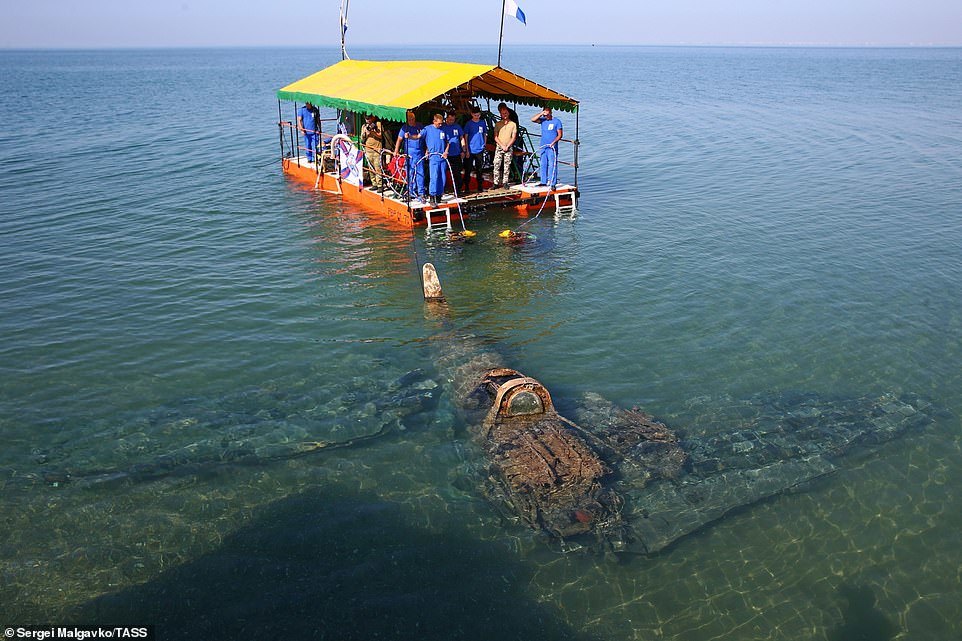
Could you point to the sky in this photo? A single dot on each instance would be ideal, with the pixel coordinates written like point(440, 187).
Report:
point(218, 23)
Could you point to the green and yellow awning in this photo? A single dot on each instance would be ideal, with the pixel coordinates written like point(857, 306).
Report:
point(388, 89)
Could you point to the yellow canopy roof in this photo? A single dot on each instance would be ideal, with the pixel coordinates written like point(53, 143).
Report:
point(388, 89)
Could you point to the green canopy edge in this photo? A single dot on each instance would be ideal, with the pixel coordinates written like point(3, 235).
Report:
point(398, 113)
point(382, 111)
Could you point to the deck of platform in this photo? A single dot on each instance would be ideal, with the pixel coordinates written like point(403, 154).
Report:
point(520, 196)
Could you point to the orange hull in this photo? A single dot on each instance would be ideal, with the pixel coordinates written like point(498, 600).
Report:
point(370, 200)
point(412, 216)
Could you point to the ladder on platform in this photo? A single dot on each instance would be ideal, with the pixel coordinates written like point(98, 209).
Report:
point(564, 202)
point(445, 223)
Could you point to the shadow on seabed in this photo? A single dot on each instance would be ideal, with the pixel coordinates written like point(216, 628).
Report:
point(335, 564)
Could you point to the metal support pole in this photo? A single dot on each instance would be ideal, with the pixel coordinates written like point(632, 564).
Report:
point(501, 35)
point(577, 144)
point(295, 136)
point(319, 144)
point(280, 128)
point(345, 6)
point(291, 131)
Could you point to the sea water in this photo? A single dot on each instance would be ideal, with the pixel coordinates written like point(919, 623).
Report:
point(218, 403)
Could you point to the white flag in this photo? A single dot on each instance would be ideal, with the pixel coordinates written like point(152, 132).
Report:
point(511, 8)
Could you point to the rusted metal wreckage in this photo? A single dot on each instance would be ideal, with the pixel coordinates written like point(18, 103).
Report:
point(554, 473)
point(622, 479)
point(634, 483)
point(602, 475)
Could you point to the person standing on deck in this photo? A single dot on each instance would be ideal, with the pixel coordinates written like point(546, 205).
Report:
point(372, 138)
point(307, 121)
point(410, 133)
point(516, 161)
point(456, 148)
point(551, 132)
point(505, 133)
point(476, 136)
point(436, 142)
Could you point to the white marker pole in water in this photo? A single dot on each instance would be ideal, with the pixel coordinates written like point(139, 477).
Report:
point(431, 283)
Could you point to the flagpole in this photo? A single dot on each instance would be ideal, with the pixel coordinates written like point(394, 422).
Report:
point(345, 4)
point(501, 35)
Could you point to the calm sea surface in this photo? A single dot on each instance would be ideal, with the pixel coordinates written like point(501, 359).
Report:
point(218, 403)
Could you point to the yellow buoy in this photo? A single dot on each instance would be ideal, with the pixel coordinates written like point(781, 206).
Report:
point(505, 234)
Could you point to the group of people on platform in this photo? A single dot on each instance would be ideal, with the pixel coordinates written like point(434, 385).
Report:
point(446, 144)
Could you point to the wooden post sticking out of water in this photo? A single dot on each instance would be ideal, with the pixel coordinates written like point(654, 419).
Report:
point(432, 285)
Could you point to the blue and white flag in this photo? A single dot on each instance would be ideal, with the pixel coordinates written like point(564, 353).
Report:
point(511, 8)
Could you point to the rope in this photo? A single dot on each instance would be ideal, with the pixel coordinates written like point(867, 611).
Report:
point(547, 194)
point(409, 179)
point(457, 200)
point(417, 259)
point(409, 172)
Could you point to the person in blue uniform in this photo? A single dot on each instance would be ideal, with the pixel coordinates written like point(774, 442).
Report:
point(456, 148)
point(410, 133)
point(307, 120)
point(436, 144)
point(476, 136)
point(551, 132)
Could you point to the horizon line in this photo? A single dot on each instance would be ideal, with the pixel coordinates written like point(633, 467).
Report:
point(381, 45)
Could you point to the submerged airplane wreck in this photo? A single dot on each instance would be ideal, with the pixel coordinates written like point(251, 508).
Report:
point(637, 485)
point(602, 475)
point(628, 482)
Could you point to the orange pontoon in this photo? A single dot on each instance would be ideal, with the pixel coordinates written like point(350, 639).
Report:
point(388, 89)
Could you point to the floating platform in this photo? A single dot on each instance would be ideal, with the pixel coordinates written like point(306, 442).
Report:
point(525, 199)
